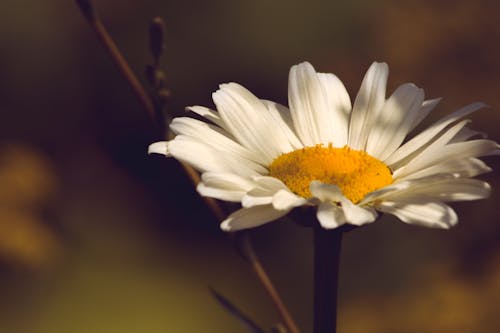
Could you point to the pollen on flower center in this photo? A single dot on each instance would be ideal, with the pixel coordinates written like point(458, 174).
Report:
point(355, 172)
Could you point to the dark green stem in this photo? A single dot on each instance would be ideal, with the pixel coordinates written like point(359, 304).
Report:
point(327, 245)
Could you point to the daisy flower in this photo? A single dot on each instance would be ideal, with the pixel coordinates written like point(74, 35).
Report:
point(349, 161)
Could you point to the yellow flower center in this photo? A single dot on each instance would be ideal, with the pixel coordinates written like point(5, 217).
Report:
point(355, 172)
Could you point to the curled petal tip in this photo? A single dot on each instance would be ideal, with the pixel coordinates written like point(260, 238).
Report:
point(225, 226)
point(160, 147)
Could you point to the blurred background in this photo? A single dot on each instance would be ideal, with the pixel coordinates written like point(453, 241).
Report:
point(97, 236)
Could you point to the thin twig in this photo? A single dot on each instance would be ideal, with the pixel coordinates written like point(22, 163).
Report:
point(249, 252)
point(89, 12)
point(214, 207)
point(236, 312)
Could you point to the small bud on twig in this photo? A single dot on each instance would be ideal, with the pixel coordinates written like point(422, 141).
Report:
point(156, 37)
point(155, 76)
point(164, 95)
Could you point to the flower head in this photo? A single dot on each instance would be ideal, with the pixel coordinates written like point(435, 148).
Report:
point(349, 161)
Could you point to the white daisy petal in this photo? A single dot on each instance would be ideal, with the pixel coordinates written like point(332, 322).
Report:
point(339, 108)
point(427, 107)
point(332, 194)
point(208, 114)
point(428, 150)
point(199, 155)
point(221, 194)
point(425, 137)
point(463, 167)
point(211, 135)
point(251, 217)
point(269, 184)
point(466, 133)
point(160, 147)
point(263, 191)
point(284, 123)
point(379, 194)
point(284, 199)
point(394, 121)
point(268, 190)
point(427, 213)
point(459, 150)
point(206, 158)
point(249, 121)
point(400, 188)
point(252, 199)
point(224, 186)
point(455, 190)
point(330, 216)
point(442, 187)
point(217, 193)
point(308, 105)
point(326, 192)
point(367, 105)
point(357, 215)
point(226, 181)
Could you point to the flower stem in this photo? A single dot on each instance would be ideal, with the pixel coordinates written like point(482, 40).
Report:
point(249, 252)
point(327, 245)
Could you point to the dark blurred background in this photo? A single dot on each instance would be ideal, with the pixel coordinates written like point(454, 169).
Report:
point(97, 236)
